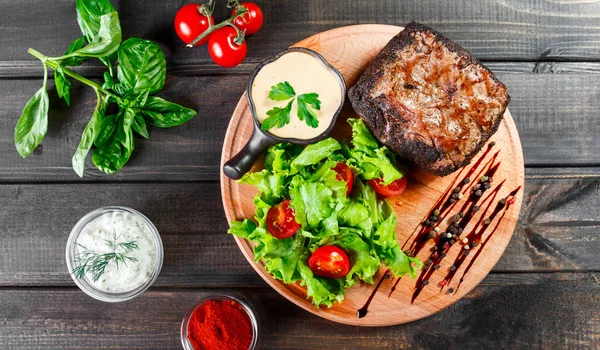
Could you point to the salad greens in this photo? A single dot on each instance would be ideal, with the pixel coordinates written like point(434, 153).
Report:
point(140, 73)
point(361, 224)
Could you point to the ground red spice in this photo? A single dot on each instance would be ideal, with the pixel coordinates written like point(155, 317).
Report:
point(220, 324)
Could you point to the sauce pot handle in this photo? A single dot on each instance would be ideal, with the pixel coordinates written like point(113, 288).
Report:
point(242, 162)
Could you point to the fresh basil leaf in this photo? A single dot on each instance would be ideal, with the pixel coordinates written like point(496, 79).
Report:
point(305, 112)
point(108, 127)
point(139, 126)
point(33, 123)
point(88, 16)
point(105, 42)
point(109, 82)
point(281, 91)
point(277, 117)
point(63, 85)
point(165, 114)
point(142, 67)
point(73, 61)
point(87, 137)
point(112, 156)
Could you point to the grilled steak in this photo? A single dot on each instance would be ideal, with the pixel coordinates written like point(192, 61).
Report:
point(429, 100)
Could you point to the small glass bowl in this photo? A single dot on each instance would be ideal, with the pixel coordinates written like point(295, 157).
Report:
point(184, 325)
point(85, 284)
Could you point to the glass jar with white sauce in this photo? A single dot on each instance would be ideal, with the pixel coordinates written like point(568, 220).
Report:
point(122, 249)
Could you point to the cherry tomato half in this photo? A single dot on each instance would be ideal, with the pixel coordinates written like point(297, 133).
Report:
point(223, 50)
point(253, 19)
point(330, 262)
point(189, 23)
point(281, 220)
point(345, 174)
point(394, 189)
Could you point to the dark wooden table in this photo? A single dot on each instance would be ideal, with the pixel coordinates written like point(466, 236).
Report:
point(544, 293)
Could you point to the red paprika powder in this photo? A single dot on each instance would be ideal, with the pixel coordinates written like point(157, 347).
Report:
point(220, 324)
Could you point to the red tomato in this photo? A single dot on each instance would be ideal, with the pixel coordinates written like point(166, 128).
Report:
point(189, 23)
point(223, 50)
point(281, 220)
point(329, 261)
point(253, 18)
point(393, 189)
point(345, 174)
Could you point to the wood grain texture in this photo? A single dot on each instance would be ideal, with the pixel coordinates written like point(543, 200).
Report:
point(554, 232)
point(520, 311)
point(555, 109)
point(350, 49)
point(490, 29)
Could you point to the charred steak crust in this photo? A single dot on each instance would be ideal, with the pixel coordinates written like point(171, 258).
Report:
point(441, 118)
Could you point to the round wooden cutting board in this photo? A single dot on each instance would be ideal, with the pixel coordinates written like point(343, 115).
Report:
point(350, 50)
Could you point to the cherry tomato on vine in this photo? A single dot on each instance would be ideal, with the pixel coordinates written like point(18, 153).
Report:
point(345, 174)
point(189, 24)
point(330, 262)
point(253, 18)
point(281, 220)
point(393, 189)
point(223, 49)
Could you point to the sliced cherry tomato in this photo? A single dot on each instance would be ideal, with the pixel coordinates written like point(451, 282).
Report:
point(223, 50)
point(253, 19)
point(189, 23)
point(393, 189)
point(345, 174)
point(281, 220)
point(329, 261)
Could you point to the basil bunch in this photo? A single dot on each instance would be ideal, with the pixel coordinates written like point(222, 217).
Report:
point(141, 72)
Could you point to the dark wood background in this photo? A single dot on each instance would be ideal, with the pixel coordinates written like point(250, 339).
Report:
point(544, 293)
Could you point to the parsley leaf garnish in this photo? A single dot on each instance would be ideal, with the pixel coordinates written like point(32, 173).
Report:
point(277, 117)
point(306, 104)
point(281, 91)
point(280, 117)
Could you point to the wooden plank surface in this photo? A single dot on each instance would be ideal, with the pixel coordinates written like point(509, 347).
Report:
point(491, 29)
point(557, 229)
point(516, 311)
point(554, 106)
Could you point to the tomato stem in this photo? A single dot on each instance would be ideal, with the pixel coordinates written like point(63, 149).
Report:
point(54, 65)
point(239, 11)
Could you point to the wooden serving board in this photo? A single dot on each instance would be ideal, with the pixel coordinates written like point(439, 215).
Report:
point(350, 49)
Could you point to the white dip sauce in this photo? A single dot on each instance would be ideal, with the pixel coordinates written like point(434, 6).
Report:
point(128, 227)
point(306, 74)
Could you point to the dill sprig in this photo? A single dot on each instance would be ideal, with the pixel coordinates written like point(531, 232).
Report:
point(95, 263)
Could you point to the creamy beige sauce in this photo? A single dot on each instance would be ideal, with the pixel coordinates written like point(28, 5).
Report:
point(306, 74)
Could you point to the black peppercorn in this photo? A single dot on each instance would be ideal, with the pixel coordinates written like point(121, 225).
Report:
point(457, 189)
point(452, 268)
point(473, 244)
point(478, 193)
point(436, 266)
point(443, 255)
point(455, 195)
point(466, 180)
point(432, 234)
point(465, 252)
point(492, 144)
point(451, 290)
point(487, 185)
point(460, 230)
point(456, 218)
point(502, 202)
point(452, 241)
point(487, 221)
point(452, 200)
point(476, 187)
point(426, 282)
point(475, 208)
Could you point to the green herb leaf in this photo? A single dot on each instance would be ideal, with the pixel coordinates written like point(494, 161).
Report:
point(88, 16)
point(112, 155)
point(314, 153)
point(33, 123)
point(87, 137)
point(74, 61)
point(139, 126)
point(165, 114)
point(63, 85)
point(142, 67)
point(105, 42)
point(281, 91)
point(277, 117)
point(106, 130)
point(306, 104)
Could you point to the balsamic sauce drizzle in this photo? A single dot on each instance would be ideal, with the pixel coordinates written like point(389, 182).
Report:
point(442, 243)
point(362, 312)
